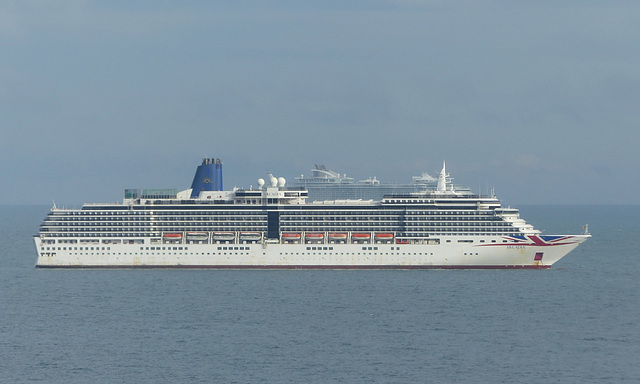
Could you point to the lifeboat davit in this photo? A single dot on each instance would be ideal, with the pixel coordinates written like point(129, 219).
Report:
point(223, 236)
point(250, 236)
point(197, 235)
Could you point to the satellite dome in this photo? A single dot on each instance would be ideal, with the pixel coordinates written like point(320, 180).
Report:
point(281, 182)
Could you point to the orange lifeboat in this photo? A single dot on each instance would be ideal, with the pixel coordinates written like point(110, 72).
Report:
point(384, 236)
point(338, 236)
point(360, 236)
point(291, 236)
point(312, 237)
point(172, 236)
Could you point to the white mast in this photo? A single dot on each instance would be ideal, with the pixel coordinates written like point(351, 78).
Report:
point(442, 179)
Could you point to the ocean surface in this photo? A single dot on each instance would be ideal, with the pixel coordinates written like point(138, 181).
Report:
point(575, 323)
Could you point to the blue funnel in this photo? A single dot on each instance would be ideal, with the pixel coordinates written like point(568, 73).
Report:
point(208, 177)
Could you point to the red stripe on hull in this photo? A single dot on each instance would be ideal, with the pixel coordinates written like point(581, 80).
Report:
point(296, 266)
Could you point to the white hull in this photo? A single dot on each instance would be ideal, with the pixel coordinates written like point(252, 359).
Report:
point(484, 252)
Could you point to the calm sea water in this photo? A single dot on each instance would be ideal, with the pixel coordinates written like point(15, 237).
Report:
point(575, 323)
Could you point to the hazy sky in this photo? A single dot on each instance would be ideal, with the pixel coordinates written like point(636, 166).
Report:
point(539, 99)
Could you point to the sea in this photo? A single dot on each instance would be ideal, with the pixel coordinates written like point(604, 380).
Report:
point(578, 322)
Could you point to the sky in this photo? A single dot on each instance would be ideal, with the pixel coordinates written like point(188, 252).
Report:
point(536, 99)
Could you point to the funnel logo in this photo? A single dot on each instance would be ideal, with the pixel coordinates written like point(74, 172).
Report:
point(206, 180)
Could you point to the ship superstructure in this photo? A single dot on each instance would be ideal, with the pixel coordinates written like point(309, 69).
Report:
point(275, 227)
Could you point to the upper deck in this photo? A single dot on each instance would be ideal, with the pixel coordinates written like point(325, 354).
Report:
point(276, 209)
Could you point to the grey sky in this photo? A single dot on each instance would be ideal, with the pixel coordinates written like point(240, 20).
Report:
point(538, 99)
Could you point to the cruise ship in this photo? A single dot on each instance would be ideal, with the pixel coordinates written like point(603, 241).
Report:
point(275, 227)
point(326, 184)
